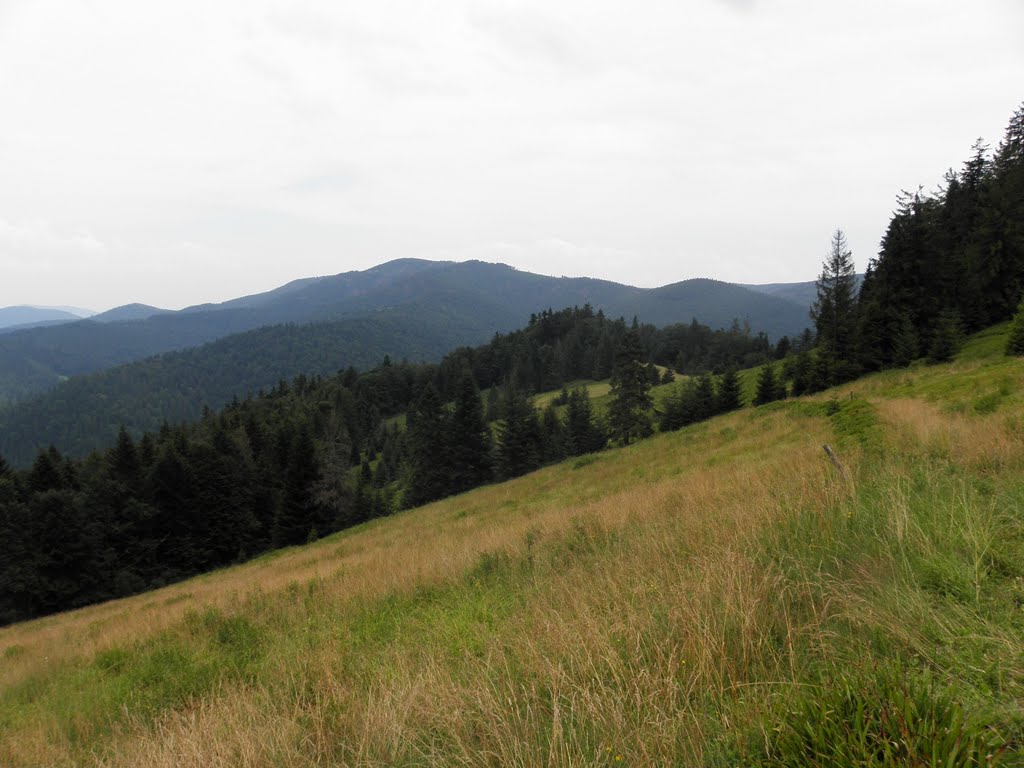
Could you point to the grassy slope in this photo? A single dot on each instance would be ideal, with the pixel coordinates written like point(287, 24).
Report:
point(670, 603)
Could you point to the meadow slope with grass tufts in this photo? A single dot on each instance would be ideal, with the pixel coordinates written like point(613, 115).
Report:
point(718, 596)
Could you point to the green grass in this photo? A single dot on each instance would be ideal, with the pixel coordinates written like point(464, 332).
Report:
point(718, 596)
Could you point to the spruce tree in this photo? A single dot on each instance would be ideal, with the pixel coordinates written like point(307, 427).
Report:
point(469, 438)
point(171, 489)
point(871, 336)
point(123, 462)
point(677, 409)
point(728, 396)
point(1015, 342)
point(630, 390)
point(768, 389)
point(428, 448)
point(584, 434)
point(46, 474)
point(553, 436)
point(905, 346)
point(947, 338)
point(704, 398)
point(297, 515)
point(834, 310)
point(519, 439)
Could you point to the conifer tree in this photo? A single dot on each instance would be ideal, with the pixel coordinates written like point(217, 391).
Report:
point(123, 462)
point(947, 338)
point(871, 336)
point(553, 436)
point(728, 396)
point(584, 434)
point(45, 474)
point(768, 389)
point(428, 449)
point(679, 407)
point(834, 310)
point(704, 398)
point(630, 390)
point(1014, 344)
point(519, 444)
point(171, 489)
point(905, 345)
point(469, 438)
point(297, 514)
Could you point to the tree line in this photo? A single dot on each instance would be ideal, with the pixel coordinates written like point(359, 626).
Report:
point(951, 262)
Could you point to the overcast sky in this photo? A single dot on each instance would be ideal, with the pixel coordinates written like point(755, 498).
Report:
point(176, 153)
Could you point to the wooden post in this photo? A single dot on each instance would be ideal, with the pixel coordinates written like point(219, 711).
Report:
point(835, 460)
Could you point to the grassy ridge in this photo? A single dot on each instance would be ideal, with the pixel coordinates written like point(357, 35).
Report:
point(717, 596)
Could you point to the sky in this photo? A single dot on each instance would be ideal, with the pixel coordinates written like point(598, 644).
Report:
point(179, 153)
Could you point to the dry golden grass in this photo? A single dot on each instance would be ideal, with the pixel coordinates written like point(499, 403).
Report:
point(985, 442)
point(686, 502)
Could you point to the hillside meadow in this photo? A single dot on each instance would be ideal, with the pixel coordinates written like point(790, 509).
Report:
point(720, 596)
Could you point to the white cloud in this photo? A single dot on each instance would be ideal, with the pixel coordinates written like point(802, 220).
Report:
point(38, 235)
point(645, 144)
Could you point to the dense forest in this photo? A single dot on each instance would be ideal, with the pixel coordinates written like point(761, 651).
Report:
point(85, 412)
point(318, 454)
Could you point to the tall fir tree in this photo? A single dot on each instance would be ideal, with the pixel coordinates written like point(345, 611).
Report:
point(729, 394)
point(428, 450)
point(947, 338)
point(768, 387)
point(584, 433)
point(904, 341)
point(519, 438)
point(630, 390)
point(297, 515)
point(469, 438)
point(704, 397)
point(834, 312)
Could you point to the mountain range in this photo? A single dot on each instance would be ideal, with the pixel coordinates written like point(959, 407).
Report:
point(25, 316)
point(72, 384)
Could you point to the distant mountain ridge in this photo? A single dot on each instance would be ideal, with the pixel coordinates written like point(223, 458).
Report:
point(37, 359)
point(24, 316)
point(73, 384)
point(129, 312)
point(805, 293)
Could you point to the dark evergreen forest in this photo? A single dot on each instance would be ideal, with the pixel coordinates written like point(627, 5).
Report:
point(951, 262)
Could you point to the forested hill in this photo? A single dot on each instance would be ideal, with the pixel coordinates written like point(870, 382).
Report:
point(84, 413)
point(321, 453)
point(493, 296)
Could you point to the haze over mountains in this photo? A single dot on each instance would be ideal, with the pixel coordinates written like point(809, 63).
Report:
point(496, 298)
point(74, 383)
point(26, 316)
